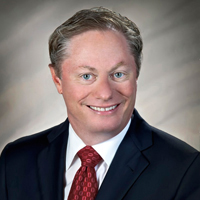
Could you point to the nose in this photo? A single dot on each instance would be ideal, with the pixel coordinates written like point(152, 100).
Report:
point(103, 89)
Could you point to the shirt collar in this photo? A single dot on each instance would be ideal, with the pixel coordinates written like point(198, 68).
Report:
point(106, 149)
point(73, 146)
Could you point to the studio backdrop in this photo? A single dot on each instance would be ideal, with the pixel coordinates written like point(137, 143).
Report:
point(168, 94)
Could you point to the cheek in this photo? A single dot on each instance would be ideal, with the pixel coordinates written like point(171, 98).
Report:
point(74, 93)
point(129, 89)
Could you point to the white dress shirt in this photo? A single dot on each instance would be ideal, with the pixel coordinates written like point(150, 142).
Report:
point(106, 150)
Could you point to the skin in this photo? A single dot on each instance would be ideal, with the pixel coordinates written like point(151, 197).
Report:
point(98, 84)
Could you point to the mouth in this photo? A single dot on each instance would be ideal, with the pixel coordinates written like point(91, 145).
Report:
point(101, 109)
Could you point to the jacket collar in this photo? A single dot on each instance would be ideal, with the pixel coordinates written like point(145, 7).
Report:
point(129, 161)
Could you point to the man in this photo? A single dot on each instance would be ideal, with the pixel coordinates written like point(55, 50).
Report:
point(95, 64)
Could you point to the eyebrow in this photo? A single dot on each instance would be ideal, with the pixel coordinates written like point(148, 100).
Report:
point(88, 67)
point(95, 70)
point(117, 66)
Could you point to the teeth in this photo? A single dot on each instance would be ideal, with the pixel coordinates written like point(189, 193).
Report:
point(103, 109)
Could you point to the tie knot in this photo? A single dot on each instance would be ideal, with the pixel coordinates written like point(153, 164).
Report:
point(89, 157)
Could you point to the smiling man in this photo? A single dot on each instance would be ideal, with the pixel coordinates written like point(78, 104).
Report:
point(98, 83)
point(104, 150)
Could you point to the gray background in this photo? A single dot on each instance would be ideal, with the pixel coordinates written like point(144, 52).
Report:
point(168, 87)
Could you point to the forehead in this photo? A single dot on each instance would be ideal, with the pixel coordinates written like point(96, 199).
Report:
point(98, 41)
point(98, 48)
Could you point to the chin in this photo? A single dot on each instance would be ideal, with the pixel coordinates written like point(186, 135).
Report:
point(108, 128)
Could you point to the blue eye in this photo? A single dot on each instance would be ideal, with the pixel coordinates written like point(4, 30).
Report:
point(118, 74)
point(86, 76)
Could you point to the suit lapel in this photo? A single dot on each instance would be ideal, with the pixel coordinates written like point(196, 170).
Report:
point(51, 164)
point(128, 163)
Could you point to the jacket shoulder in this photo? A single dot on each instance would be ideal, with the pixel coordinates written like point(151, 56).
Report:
point(33, 143)
point(168, 142)
point(161, 146)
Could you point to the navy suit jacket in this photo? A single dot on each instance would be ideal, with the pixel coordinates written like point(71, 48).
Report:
point(149, 165)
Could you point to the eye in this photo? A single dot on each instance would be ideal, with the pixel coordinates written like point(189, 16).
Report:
point(87, 76)
point(118, 75)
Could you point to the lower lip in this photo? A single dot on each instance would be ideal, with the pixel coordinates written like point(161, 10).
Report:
point(105, 112)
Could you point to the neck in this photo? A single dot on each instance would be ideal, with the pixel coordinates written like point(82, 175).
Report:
point(95, 138)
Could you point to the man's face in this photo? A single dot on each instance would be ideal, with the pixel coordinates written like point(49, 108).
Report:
point(98, 83)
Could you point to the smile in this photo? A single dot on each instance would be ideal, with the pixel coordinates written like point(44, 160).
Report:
point(103, 109)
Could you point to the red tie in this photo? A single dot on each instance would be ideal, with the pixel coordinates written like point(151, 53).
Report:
point(85, 186)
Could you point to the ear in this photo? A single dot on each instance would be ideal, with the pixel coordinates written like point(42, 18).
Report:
point(56, 79)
